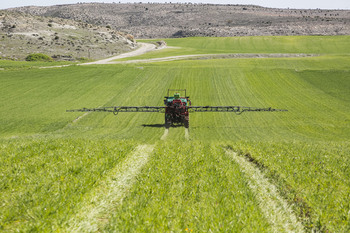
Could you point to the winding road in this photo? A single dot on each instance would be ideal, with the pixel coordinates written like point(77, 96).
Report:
point(147, 47)
point(144, 48)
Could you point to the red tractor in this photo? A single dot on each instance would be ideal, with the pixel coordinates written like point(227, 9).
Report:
point(176, 109)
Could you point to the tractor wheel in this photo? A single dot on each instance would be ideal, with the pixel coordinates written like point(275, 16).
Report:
point(167, 123)
point(187, 123)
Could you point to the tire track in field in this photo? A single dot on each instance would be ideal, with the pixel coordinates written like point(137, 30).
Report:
point(164, 136)
point(96, 209)
point(187, 134)
point(80, 117)
point(275, 208)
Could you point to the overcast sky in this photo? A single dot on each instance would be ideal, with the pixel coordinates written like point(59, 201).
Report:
point(305, 4)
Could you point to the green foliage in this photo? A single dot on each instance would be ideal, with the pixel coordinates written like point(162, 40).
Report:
point(38, 57)
point(83, 59)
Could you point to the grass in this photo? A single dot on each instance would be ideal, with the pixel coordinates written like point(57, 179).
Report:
point(24, 65)
point(187, 184)
point(261, 44)
point(43, 181)
point(316, 175)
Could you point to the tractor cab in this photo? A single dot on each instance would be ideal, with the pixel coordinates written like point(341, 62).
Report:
point(176, 100)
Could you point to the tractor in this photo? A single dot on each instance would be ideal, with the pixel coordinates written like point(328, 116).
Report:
point(177, 109)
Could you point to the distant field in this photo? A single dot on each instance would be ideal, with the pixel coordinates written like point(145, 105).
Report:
point(262, 44)
point(18, 65)
point(53, 162)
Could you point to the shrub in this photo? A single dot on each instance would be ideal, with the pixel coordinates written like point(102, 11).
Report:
point(38, 57)
point(83, 59)
point(130, 37)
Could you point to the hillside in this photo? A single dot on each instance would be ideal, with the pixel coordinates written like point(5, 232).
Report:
point(22, 34)
point(184, 20)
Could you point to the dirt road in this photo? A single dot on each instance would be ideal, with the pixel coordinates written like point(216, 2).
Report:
point(214, 56)
point(144, 48)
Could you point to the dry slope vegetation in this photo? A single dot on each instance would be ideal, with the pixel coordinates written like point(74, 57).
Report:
point(184, 20)
point(22, 34)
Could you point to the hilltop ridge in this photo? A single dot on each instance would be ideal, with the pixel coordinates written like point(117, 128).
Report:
point(157, 20)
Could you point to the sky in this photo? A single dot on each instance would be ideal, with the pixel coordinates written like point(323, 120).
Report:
point(299, 4)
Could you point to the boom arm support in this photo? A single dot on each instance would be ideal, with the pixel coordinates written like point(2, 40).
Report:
point(117, 109)
point(236, 109)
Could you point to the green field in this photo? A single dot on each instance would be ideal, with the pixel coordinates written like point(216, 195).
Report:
point(260, 45)
point(58, 167)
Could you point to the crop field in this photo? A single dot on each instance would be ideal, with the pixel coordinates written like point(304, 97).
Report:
point(246, 45)
point(254, 172)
